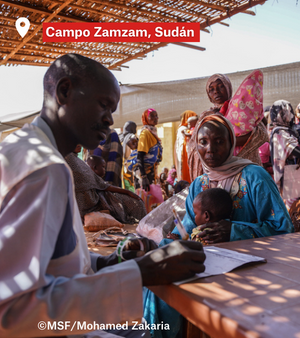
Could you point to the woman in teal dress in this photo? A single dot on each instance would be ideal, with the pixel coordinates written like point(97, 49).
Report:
point(258, 209)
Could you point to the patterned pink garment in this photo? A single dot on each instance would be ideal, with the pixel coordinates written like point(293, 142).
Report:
point(245, 109)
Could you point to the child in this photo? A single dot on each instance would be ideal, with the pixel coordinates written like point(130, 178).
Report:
point(211, 205)
point(192, 121)
point(180, 186)
point(172, 181)
point(129, 178)
point(164, 185)
point(97, 164)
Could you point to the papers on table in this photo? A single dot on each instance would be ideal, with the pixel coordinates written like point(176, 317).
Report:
point(219, 261)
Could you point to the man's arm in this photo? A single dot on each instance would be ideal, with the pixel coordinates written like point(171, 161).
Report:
point(30, 223)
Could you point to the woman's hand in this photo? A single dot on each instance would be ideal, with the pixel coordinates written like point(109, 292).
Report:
point(215, 232)
point(133, 195)
point(145, 184)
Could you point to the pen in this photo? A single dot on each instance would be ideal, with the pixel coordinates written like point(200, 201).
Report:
point(184, 235)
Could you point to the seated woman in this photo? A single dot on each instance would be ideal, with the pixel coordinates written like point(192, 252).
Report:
point(94, 194)
point(258, 209)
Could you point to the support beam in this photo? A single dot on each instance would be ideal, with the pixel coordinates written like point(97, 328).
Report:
point(236, 10)
point(64, 17)
point(140, 54)
point(183, 44)
point(37, 29)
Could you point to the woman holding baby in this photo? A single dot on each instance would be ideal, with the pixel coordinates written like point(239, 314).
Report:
point(258, 209)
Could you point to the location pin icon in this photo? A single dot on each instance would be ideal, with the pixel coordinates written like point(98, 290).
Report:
point(22, 25)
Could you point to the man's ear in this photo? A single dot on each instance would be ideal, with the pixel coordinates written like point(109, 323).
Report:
point(207, 216)
point(63, 89)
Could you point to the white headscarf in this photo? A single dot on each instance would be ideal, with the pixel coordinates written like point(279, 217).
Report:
point(225, 173)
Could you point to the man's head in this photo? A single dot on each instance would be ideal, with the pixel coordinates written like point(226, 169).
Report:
point(212, 205)
point(79, 97)
point(97, 164)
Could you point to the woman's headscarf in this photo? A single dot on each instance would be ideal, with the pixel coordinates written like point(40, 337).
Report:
point(185, 116)
point(225, 173)
point(145, 122)
point(297, 111)
point(127, 137)
point(170, 179)
point(145, 116)
point(283, 118)
point(282, 114)
point(129, 127)
point(226, 82)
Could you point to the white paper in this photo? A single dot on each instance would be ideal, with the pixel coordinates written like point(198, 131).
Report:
point(219, 261)
point(291, 182)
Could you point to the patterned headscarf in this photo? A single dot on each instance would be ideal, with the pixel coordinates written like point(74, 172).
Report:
point(145, 121)
point(297, 111)
point(282, 114)
point(225, 173)
point(226, 82)
point(185, 116)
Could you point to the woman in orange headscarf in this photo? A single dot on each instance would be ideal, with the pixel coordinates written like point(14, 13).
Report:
point(181, 158)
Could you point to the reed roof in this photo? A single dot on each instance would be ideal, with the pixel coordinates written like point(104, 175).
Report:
point(31, 50)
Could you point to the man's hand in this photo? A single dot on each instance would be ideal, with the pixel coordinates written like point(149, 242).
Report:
point(215, 232)
point(171, 263)
point(131, 250)
point(145, 184)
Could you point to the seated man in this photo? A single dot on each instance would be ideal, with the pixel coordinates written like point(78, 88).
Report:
point(47, 273)
point(94, 194)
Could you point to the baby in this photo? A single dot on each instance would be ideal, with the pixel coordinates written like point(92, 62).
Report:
point(192, 121)
point(211, 205)
point(97, 164)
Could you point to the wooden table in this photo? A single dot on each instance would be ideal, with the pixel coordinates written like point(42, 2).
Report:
point(261, 300)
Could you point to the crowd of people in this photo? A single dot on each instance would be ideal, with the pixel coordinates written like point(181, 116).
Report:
point(234, 153)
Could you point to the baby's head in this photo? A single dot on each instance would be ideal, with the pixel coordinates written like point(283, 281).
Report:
point(166, 171)
point(192, 121)
point(180, 186)
point(97, 164)
point(173, 173)
point(212, 205)
point(132, 143)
